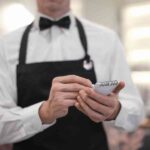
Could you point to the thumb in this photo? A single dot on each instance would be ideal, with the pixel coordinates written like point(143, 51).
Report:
point(119, 87)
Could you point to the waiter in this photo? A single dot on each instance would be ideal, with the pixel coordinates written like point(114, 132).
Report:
point(46, 76)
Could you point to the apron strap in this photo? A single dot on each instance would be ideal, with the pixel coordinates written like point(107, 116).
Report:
point(24, 42)
point(83, 39)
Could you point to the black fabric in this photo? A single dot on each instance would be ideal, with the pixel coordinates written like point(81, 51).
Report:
point(145, 143)
point(83, 39)
point(72, 132)
point(45, 23)
point(23, 46)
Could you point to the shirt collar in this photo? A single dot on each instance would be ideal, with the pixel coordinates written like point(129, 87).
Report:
point(38, 15)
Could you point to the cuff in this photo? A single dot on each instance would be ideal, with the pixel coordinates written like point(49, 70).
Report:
point(31, 120)
point(125, 120)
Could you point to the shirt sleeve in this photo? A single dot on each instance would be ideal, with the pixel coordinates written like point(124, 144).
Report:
point(16, 123)
point(132, 106)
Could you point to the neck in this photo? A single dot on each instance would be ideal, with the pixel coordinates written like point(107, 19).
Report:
point(55, 14)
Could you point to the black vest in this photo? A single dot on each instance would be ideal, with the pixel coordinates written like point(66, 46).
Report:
point(72, 132)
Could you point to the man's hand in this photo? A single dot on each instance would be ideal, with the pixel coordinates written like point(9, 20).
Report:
point(63, 94)
point(99, 107)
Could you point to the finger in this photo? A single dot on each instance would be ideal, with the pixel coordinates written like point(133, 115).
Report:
point(68, 95)
point(92, 114)
point(102, 99)
point(71, 87)
point(119, 87)
point(94, 105)
point(77, 105)
point(69, 102)
point(73, 79)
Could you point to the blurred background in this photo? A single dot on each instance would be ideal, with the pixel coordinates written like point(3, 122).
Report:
point(130, 19)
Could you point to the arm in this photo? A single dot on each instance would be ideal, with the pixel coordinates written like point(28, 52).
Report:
point(16, 123)
point(132, 107)
point(124, 105)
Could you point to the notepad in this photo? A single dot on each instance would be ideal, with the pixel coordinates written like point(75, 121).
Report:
point(105, 87)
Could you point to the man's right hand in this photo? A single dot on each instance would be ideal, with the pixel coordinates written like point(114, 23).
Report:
point(63, 94)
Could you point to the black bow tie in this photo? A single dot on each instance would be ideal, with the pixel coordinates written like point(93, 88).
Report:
point(46, 23)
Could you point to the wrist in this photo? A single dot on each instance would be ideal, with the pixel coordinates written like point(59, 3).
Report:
point(44, 113)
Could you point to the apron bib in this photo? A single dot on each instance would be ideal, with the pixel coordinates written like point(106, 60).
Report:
point(72, 132)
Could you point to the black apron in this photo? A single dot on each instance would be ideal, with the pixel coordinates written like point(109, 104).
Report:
point(72, 132)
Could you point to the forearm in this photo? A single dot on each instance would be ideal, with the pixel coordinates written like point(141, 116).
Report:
point(131, 113)
point(18, 124)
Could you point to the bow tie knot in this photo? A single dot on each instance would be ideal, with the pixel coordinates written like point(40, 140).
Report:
point(45, 23)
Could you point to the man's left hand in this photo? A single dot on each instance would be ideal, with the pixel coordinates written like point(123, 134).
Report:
point(99, 107)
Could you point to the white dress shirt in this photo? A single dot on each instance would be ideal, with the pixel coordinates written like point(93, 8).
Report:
point(53, 44)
